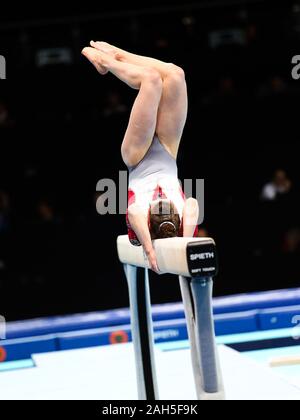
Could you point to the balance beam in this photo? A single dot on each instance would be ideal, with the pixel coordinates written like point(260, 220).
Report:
point(194, 260)
point(189, 257)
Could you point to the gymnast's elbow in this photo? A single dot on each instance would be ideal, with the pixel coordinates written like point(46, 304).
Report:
point(191, 206)
point(134, 211)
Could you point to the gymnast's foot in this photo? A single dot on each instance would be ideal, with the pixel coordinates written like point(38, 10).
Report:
point(109, 49)
point(97, 58)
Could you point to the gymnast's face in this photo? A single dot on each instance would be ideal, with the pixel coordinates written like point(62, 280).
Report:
point(164, 220)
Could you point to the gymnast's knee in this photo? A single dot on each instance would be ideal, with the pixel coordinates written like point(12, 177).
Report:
point(152, 77)
point(175, 73)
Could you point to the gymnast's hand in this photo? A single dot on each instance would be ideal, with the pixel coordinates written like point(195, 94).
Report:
point(152, 260)
point(139, 222)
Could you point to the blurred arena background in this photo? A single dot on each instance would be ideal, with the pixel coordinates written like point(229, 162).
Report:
point(61, 127)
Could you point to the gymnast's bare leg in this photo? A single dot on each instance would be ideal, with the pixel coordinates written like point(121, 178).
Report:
point(173, 107)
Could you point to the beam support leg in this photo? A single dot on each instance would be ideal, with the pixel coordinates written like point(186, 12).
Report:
point(197, 298)
point(142, 332)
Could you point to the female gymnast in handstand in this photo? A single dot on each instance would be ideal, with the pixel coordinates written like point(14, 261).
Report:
point(157, 207)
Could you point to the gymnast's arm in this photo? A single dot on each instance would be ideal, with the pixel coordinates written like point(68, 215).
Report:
point(190, 217)
point(139, 223)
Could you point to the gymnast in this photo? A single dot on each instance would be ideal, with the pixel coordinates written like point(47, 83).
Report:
point(157, 207)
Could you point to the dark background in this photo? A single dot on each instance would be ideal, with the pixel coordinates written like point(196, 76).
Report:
point(65, 125)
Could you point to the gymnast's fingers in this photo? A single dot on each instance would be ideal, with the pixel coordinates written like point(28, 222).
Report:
point(153, 263)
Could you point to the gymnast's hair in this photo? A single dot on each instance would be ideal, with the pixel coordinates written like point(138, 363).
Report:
point(164, 220)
